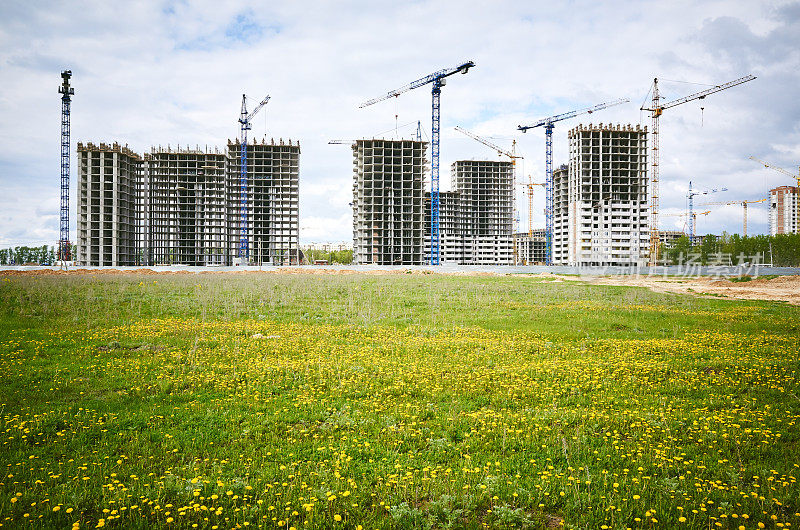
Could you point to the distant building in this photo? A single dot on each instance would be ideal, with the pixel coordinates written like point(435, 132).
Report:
point(601, 201)
point(669, 237)
point(530, 247)
point(783, 210)
point(330, 247)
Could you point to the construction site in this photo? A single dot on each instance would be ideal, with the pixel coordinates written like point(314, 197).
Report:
point(235, 206)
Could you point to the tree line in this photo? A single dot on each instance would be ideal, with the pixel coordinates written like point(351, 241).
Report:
point(781, 250)
point(343, 257)
point(23, 255)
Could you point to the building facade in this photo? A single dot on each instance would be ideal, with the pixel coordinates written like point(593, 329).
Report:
point(183, 207)
point(273, 202)
point(601, 203)
point(107, 178)
point(185, 214)
point(388, 182)
point(476, 216)
point(530, 247)
point(783, 210)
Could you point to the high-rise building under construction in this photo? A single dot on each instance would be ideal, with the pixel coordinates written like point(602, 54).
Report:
point(388, 213)
point(107, 177)
point(392, 212)
point(182, 206)
point(600, 201)
point(477, 215)
point(273, 201)
point(784, 210)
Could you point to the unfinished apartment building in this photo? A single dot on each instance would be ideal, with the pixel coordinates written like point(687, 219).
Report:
point(454, 245)
point(530, 247)
point(486, 190)
point(784, 215)
point(184, 213)
point(388, 213)
point(476, 216)
point(273, 202)
point(107, 176)
point(600, 200)
point(181, 206)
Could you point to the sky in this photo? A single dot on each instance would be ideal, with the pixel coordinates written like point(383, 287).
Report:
point(151, 73)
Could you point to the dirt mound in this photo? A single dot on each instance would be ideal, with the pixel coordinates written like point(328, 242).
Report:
point(780, 289)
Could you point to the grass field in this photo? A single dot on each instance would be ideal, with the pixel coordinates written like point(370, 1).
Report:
point(411, 401)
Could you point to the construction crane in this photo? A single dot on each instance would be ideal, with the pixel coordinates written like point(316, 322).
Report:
point(655, 111)
point(690, 195)
point(795, 177)
point(692, 221)
point(245, 120)
point(779, 170)
point(529, 192)
point(548, 124)
point(510, 154)
point(437, 80)
point(744, 209)
point(66, 91)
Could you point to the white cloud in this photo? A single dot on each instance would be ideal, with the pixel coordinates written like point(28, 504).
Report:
point(173, 72)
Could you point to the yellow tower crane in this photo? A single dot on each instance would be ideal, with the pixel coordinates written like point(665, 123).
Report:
point(655, 110)
point(744, 209)
point(787, 173)
point(529, 192)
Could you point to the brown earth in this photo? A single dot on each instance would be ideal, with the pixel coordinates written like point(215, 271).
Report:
point(780, 289)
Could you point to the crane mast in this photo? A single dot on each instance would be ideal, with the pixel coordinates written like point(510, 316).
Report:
point(245, 123)
point(656, 110)
point(437, 81)
point(654, 181)
point(690, 195)
point(549, 124)
point(66, 91)
point(529, 192)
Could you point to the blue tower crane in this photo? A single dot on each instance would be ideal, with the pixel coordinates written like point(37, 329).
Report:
point(245, 122)
point(438, 80)
point(690, 195)
point(66, 91)
point(548, 124)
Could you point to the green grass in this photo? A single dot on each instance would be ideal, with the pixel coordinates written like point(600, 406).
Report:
point(412, 401)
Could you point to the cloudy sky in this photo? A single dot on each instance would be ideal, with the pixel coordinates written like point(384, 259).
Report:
point(157, 73)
